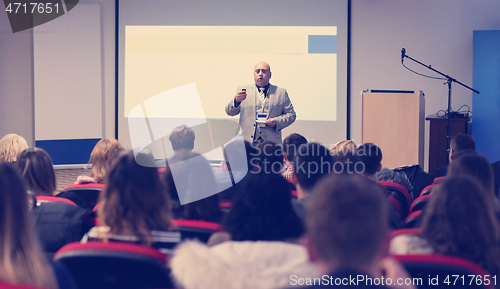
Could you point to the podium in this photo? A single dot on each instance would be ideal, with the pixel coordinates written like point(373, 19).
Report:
point(394, 121)
point(438, 156)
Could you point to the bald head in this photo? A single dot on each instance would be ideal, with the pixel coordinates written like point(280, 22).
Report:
point(262, 73)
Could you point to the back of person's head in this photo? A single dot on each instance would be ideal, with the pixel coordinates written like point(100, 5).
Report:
point(460, 221)
point(343, 146)
point(476, 166)
point(21, 258)
point(11, 146)
point(37, 171)
point(461, 142)
point(312, 162)
point(292, 144)
point(102, 157)
point(193, 177)
point(371, 156)
point(346, 220)
point(269, 158)
point(262, 211)
point(182, 137)
point(346, 162)
point(134, 199)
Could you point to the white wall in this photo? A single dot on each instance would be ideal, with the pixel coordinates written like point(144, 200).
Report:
point(435, 32)
point(16, 81)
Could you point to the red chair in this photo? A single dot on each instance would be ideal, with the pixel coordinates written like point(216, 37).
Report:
point(434, 271)
point(413, 219)
point(192, 229)
point(438, 180)
point(48, 199)
point(427, 190)
point(396, 205)
point(400, 193)
point(404, 231)
point(419, 203)
point(103, 265)
point(84, 195)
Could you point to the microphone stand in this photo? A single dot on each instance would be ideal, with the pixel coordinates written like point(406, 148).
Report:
point(449, 81)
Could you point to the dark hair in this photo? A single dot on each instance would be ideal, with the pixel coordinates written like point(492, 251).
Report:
point(462, 141)
point(182, 137)
point(196, 175)
point(23, 261)
point(134, 198)
point(270, 158)
point(371, 156)
point(346, 219)
point(460, 221)
point(476, 166)
point(37, 171)
point(312, 162)
point(292, 144)
point(262, 211)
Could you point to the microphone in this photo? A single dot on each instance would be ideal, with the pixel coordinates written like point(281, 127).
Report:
point(403, 54)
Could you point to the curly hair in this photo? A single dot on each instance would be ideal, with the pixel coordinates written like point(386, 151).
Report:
point(134, 199)
point(11, 146)
point(460, 221)
point(102, 157)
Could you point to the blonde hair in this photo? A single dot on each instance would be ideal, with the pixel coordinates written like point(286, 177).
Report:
point(11, 146)
point(102, 156)
point(344, 146)
point(21, 257)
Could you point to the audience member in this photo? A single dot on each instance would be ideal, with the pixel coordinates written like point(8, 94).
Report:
point(370, 156)
point(346, 230)
point(476, 166)
point(262, 250)
point(458, 142)
point(312, 162)
point(101, 158)
point(22, 260)
point(37, 171)
point(11, 146)
point(196, 178)
point(135, 206)
point(291, 146)
point(182, 138)
point(459, 221)
point(344, 146)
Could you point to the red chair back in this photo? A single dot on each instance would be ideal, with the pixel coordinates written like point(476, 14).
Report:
point(434, 271)
point(400, 193)
point(17, 286)
point(103, 265)
point(419, 203)
point(427, 190)
point(192, 229)
point(84, 195)
point(48, 199)
point(413, 219)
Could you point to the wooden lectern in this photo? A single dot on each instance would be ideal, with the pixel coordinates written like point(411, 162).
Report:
point(394, 120)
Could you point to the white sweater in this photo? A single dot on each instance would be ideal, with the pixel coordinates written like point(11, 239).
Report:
point(240, 265)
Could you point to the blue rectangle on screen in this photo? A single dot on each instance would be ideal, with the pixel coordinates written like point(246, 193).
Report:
point(322, 44)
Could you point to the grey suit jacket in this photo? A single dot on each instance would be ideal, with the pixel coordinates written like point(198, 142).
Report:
point(280, 108)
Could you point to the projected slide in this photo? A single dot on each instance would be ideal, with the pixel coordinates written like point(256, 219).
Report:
point(218, 59)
